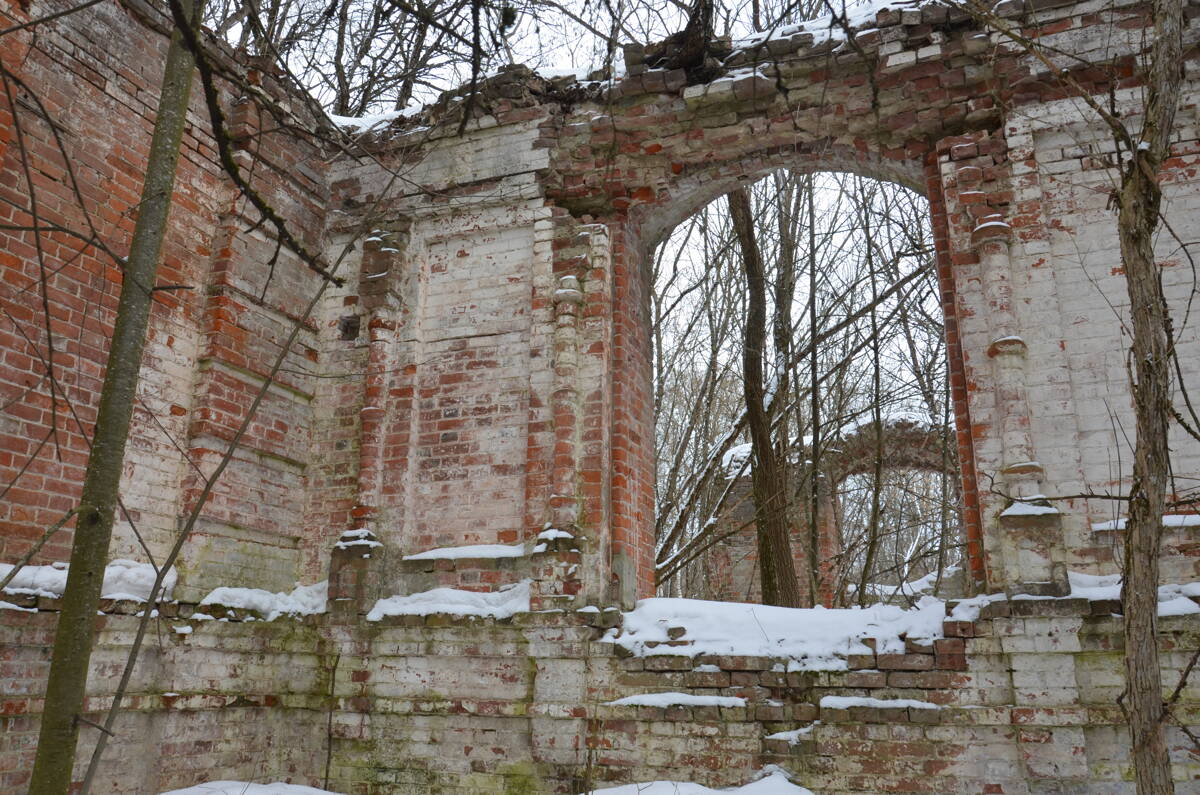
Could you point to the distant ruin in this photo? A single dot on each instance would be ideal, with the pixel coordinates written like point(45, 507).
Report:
point(730, 566)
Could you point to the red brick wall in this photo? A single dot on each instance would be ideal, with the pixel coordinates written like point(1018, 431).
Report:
point(210, 345)
point(102, 104)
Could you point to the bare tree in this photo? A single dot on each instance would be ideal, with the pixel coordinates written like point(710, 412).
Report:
point(776, 568)
point(63, 709)
point(1139, 199)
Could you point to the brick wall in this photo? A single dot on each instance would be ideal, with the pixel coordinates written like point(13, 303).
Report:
point(211, 344)
point(1022, 699)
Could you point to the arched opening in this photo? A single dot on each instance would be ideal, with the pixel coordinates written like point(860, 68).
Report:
point(857, 386)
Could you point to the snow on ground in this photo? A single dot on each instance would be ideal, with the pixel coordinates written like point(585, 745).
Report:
point(815, 638)
point(304, 600)
point(244, 788)
point(677, 699)
point(774, 782)
point(503, 603)
point(123, 579)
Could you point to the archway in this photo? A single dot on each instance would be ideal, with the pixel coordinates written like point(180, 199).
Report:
point(853, 332)
point(637, 229)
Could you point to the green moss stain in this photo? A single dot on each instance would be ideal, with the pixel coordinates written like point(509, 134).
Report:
point(521, 779)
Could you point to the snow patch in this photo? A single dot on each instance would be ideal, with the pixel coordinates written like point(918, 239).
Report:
point(304, 600)
point(580, 73)
point(552, 533)
point(735, 458)
point(1173, 599)
point(123, 579)
point(857, 17)
point(1168, 520)
point(244, 788)
point(969, 609)
point(359, 538)
point(374, 121)
point(503, 603)
point(677, 699)
point(992, 225)
point(1028, 506)
point(813, 638)
point(793, 737)
point(490, 551)
point(845, 702)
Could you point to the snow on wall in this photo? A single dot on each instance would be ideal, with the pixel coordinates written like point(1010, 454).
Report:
point(123, 579)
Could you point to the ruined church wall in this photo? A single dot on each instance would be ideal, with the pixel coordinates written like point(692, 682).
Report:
point(478, 400)
point(983, 129)
point(103, 106)
point(236, 701)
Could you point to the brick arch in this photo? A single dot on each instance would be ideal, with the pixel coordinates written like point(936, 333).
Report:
point(694, 189)
point(906, 445)
point(918, 98)
point(639, 216)
point(646, 224)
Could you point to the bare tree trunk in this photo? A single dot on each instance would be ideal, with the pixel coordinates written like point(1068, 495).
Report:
point(876, 415)
point(816, 449)
point(1139, 200)
point(93, 528)
point(776, 568)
